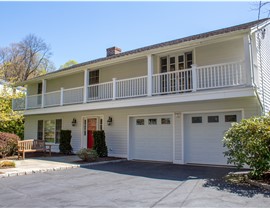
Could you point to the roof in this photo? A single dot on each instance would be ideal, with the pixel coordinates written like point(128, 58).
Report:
point(244, 26)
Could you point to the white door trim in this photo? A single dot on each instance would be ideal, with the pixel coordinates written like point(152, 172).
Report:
point(207, 111)
point(144, 115)
point(87, 117)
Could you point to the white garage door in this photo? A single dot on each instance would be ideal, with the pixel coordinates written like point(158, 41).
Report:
point(203, 134)
point(151, 138)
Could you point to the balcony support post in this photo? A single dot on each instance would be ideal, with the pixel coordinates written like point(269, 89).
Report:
point(114, 88)
point(62, 96)
point(26, 100)
point(194, 77)
point(44, 82)
point(85, 86)
point(150, 69)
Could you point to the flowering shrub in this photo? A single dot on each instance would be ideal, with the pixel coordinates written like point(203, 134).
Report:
point(87, 154)
point(8, 144)
point(248, 142)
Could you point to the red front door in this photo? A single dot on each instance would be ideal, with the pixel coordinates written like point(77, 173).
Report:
point(91, 127)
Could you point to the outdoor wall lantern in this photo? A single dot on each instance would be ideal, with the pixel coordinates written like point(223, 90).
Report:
point(74, 121)
point(109, 121)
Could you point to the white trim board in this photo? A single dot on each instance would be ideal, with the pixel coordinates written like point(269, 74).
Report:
point(153, 100)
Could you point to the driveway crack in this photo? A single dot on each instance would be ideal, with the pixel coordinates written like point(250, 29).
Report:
point(189, 194)
point(169, 193)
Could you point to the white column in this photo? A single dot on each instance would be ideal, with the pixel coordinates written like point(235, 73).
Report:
point(150, 69)
point(247, 75)
point(44, 82)
point(85, 86)
point(114, 88)
point(62, 96)
point(194, 77)
point(26, 99)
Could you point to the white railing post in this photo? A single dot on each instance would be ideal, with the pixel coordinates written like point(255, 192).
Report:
point(114, 88)
point(194, 77)
point(62, 96)
point(85, 86)
point(44, 82)
point(149, 74)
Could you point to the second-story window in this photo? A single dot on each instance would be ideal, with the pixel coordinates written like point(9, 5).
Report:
point(93, 77)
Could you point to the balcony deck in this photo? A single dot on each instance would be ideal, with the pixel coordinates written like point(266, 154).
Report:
point(182, 81)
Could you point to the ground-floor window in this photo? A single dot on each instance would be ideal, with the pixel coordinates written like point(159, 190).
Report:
point(49, 130)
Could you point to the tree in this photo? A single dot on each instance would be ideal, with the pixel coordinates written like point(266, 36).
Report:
point(10, 121)
point(24, 60)
point(68, 64)
point(248, 142)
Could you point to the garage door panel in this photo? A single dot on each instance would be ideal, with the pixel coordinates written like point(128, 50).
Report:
point(203, 141)
point(152, 142)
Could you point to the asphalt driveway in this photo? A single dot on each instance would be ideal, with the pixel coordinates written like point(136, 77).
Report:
point(130, 184)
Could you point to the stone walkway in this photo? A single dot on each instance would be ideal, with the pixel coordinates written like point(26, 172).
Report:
point(45, 164)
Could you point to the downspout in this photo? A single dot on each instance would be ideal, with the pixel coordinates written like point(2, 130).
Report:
point(251, 52)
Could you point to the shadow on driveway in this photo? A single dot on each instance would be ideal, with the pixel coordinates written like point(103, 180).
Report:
point(213, 177)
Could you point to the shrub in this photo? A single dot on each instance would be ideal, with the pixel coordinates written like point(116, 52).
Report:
point(65, 139)
point(248, 142)
point(8, 144)
point(87, 154)
point(100, 143)
point(7, 164)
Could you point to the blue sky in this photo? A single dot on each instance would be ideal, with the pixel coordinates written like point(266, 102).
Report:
point(83, 30)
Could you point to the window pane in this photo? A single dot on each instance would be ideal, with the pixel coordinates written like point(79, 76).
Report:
point(40, 130)
point(213, 119)
point(152, 121)
point(93, 77)
point(172, 60)
point(163, 61)
point(230, 118)
point(180, 58)
point(165, 121)
point(49, 131)
point(197, 119)
point(58, 130)
point(140, 122)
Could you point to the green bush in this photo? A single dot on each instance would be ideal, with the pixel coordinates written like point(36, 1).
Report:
point(248, 142)
point(100, 143)
point(87, 154)
point(65, 139)
point(8, 144)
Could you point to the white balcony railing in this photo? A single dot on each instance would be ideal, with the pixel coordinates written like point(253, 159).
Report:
point(172, 82)
point(33, 101)
point(73, 96)
point(134, 87)
point(52, 99)
point(182, 81)
point(220, 75)
point(99, 92)
point(18, 104)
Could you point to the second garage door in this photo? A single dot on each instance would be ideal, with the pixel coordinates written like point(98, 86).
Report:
point(151, 138)
point(203, 134)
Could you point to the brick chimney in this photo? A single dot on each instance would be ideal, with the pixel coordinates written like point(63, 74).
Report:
point(113, 51)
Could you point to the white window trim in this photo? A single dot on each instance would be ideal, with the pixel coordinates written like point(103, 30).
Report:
point(43, 130)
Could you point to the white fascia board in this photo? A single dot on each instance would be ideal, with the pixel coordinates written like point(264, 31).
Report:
point(154, 100)
point(260, 26)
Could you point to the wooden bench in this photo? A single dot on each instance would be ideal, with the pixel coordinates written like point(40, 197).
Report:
point(32, 145)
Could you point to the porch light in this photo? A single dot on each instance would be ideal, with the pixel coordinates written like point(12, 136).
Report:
point(109, 121)
point(74, 121)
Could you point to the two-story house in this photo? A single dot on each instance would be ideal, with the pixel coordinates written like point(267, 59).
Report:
point(170, 101)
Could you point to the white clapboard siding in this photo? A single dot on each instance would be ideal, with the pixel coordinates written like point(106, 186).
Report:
point(263, 64)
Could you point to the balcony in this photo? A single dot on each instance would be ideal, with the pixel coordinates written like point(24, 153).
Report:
point(182, 81)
